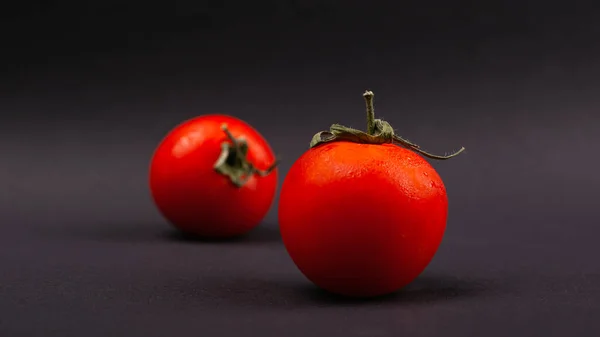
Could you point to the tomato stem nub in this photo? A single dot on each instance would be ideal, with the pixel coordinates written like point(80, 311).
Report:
point(368, 95)
point(378, 132)
point(233, 161)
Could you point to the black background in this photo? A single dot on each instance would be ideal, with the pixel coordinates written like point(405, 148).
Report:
point(88, 89)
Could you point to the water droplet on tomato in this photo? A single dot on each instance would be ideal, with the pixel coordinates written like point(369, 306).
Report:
point(426, 174)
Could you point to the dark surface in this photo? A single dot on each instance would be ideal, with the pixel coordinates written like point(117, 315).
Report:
point(87, 97)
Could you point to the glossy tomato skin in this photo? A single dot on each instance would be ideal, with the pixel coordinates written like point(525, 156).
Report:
point(193, 196)
point(362, 220)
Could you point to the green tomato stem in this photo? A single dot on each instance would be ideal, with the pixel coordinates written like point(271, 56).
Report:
point(368, 95)
point(233, 161)
point(378, 132)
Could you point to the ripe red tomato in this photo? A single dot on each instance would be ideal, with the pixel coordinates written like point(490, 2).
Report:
point(362, 216)
point(213, 176)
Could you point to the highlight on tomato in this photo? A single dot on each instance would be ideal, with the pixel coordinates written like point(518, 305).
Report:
point(363, 213)
point(213, 176)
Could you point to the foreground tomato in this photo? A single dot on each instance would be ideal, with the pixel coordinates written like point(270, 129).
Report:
point(213, 176)
point(359, 215)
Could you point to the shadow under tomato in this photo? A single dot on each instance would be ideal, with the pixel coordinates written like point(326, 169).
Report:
point(425, 289)
point(151, 233)
point(291, 293)
point(266, 233)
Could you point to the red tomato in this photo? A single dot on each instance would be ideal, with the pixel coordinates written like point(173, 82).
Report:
point(362, 219)
point(213, 176)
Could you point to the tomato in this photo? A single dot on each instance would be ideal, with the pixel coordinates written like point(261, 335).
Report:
point(359, 215)
point(213, 176)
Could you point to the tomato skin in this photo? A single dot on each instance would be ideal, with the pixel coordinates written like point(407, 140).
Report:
point(362, 220)
point(195, 198)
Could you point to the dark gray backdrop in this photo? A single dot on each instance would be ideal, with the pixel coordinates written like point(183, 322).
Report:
point(88, 90)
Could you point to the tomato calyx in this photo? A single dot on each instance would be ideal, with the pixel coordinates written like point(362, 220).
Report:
point(378, 132)
point(233, 161)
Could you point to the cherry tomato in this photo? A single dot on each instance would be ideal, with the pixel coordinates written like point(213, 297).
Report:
point(213, 176)
point(359, 215)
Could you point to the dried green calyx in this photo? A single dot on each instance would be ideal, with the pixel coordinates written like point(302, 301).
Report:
point(378, 132)
point(233, 161)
